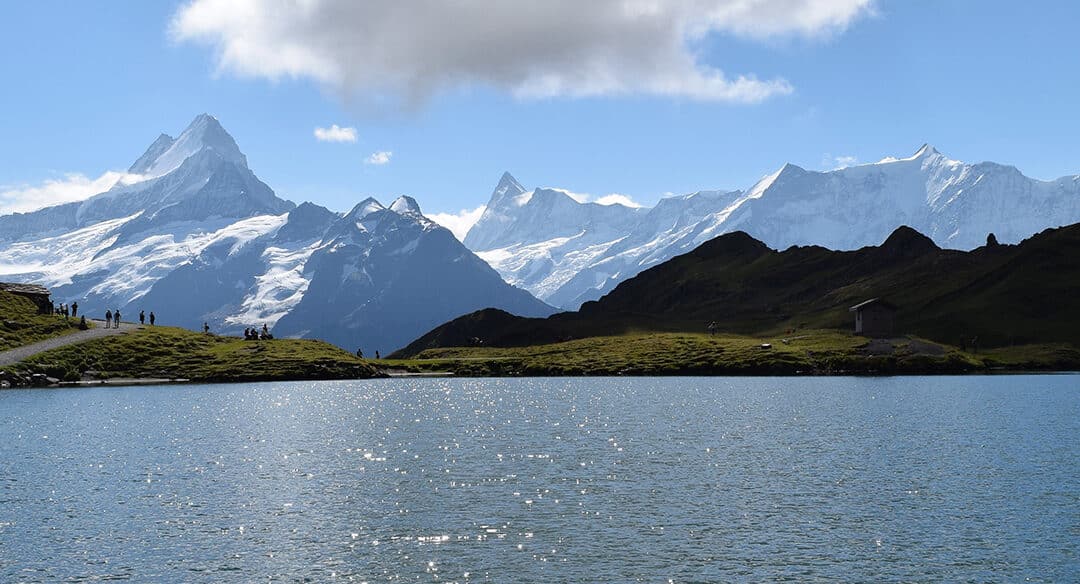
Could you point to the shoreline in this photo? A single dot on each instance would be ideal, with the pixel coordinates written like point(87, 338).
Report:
point(395, 375)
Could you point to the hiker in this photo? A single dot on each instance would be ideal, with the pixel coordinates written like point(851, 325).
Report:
point(152, 318)
point(82, 324)
point(108, 319)
point(74, 309)
point(116, 319)
point(265, 330)
point(377, 354)
point(142, 317)
point(360, 353)
point(206, 328)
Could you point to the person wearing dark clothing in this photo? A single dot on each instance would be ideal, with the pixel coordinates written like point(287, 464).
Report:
point(152, 318)
point(142, 317)
point(82, 323)
point(377, 355)
point(74, 309)
point(206, 328)
point(360, 353)
point(108, 319)
point(116, 319)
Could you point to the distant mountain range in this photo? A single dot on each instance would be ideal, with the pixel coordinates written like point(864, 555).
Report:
point(999, 294)
point(567, 252)
point(199, 238)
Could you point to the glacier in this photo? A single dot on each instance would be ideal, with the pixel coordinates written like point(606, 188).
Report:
point(199, 238)
point(568, 253)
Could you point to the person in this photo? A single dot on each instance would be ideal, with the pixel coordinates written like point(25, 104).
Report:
point(116, 318)
point(82, 323)
point(206, 328)
point(74, 309)
point(360, 353)
point(377, 354)
point(108, 319)
point(152, 318)
point(142, 317)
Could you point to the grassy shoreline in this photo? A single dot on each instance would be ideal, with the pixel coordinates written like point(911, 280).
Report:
point(171, 353)
point(821, 352)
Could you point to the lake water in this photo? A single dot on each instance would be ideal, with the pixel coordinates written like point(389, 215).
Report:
point(546, 480)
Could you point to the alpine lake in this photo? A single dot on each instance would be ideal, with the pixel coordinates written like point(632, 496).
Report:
point(846, 479)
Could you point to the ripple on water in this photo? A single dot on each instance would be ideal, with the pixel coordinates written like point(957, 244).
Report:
point(612, 480)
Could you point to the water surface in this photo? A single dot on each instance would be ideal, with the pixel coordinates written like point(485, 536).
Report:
point(546, 480)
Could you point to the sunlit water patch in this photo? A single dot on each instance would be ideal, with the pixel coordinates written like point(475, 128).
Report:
point(546, 480)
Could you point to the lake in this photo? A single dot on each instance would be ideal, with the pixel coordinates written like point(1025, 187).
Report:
point(546, 480)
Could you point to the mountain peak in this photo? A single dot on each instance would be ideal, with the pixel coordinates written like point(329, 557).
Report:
point(907, 242)
point(405, 204)
point(204, 133)
point(365, 208)
point(506, 191)
point(926, 150)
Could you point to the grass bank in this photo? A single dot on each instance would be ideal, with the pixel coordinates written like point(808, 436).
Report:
point(806, 353)
point(20, 324)
point(173, 353)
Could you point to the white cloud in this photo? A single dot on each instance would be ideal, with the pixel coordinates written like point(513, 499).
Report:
point(73, 187)
point(335, 133)
point(409, 51)
point(837, 162)
point(579, 197)
point(458, 223)
point(617, 199)
point(379, 158)
point(612, 199)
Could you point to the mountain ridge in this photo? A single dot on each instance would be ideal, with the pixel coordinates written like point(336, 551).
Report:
point(952, 202)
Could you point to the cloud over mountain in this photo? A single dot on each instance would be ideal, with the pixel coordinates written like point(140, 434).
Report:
point(531, 48)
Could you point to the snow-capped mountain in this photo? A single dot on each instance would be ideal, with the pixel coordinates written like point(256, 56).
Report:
point(199, 238)
point(954, 203)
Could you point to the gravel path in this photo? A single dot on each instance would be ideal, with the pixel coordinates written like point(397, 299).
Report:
point(99, 331)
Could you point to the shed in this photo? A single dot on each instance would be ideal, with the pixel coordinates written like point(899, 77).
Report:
point(874, 318)
point(39, 295)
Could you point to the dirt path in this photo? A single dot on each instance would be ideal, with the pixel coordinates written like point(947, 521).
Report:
point(99, 331)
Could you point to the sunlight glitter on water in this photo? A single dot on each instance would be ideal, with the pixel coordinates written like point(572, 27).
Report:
point(614, 480)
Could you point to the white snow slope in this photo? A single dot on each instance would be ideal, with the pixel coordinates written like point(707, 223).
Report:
point(569, 254)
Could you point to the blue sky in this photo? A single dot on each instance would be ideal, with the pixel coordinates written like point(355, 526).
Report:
point(87, 86)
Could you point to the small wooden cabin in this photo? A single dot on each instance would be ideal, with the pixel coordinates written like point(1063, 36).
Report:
point(39, 295)
point(874, 318)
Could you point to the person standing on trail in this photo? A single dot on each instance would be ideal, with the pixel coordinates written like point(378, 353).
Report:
point(206, 328)
point(74, 309)
point(116, 319)
point(142, 317)
point(108, 319)
point(152, 318)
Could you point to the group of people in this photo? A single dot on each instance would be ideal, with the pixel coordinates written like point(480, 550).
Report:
point(254, 334)
point(112, 319)
point(360, 354)
point(65, 311)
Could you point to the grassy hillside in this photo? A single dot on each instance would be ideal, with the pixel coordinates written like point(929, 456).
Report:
point(20, 324)
point(172, 353)
point(1005, 295)
point(809, 352)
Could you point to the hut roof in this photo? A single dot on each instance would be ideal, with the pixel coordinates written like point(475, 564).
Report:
point(24, 289)
point(873, 302)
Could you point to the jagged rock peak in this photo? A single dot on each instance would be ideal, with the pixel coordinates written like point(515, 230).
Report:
point(405, 204)
point(204, 133)
point(365, 208)
point(506, 191)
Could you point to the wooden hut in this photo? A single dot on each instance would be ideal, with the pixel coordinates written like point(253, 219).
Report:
point(39, 295)
point(874, 318)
